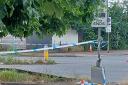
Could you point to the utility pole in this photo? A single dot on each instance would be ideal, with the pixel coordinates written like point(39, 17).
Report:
point(108, 32)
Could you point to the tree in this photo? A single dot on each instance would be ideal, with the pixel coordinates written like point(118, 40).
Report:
point(21, 18)
point(119, 35)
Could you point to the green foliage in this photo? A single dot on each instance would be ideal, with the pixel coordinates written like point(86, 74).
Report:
point(119, 35)
point(21, 18)
point(10, 60)
point(89, 34)
point(51, 62)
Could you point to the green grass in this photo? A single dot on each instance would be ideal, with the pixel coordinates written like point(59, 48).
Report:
point(12, 60)
point(13, 76)
point(17, 76)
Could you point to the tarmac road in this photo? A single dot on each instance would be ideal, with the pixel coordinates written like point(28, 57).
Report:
point(116, 67)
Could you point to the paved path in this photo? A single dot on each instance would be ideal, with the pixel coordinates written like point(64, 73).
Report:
point(116, 66)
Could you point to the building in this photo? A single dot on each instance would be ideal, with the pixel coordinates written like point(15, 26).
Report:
point(9, 42)
point(70, 37)
point(33, 42)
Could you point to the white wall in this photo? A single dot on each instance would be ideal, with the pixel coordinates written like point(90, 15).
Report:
point(12, 40)
point(70, 37)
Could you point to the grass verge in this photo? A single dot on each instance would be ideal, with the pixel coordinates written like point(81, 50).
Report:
point(20, 76)
point(12, 60)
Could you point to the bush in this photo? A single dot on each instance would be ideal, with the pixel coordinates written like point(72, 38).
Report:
point(10, 60)
point(51, 62)
point(45, 62)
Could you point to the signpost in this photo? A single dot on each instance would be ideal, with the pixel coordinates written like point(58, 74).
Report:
point(100, 23)
point(97, 74)
point(108, 30)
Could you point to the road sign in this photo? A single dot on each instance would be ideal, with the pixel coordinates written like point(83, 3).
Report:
point(100, 21)
point(108, 28)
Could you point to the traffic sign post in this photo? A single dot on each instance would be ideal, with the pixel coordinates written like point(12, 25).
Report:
point(99, 22)
point(99, 42)
point(108, 30)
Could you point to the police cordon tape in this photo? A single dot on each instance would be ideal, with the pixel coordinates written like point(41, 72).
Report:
point(48, 48)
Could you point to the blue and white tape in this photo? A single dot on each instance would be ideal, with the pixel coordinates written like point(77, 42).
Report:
point(48, 48)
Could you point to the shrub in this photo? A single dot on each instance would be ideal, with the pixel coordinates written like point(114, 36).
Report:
point(51, 62)
point(10, 60)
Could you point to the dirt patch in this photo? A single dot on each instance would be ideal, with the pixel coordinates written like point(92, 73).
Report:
point(124, 82)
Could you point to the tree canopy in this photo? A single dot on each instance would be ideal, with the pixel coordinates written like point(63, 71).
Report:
point(21, 18)
point(119, 35)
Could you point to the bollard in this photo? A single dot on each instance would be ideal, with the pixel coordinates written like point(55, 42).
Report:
point(46, 53)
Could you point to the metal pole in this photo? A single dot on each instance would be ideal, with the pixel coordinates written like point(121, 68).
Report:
point(98, 49)
point(108, 43)
point(107, 24)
